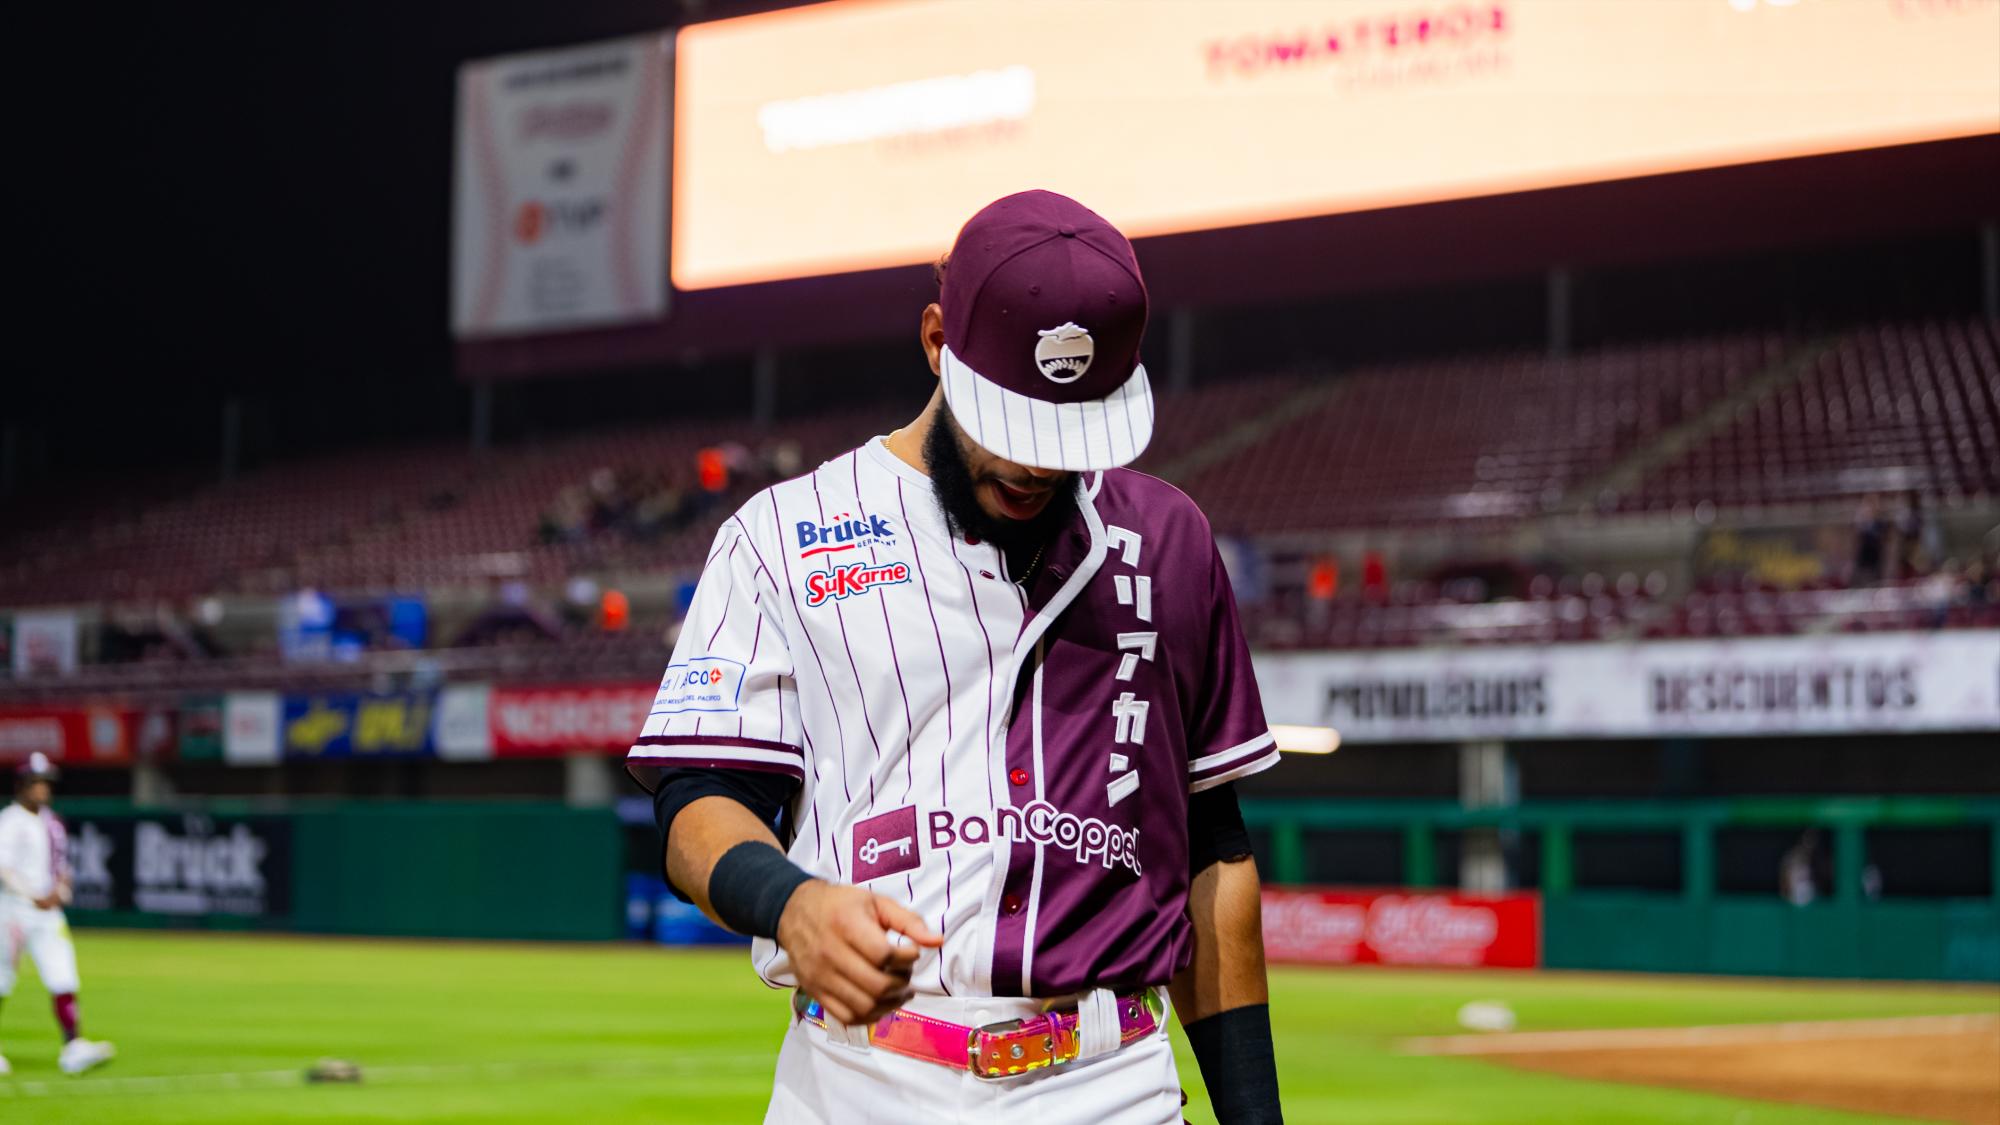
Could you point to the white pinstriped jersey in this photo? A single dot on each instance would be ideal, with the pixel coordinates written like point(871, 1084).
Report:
point(1012, 763)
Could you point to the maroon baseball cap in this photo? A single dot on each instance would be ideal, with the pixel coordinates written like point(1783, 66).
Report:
point(1043, 312)
point(36, 768)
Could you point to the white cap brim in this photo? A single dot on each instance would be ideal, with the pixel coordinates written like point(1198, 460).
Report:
point(1077, 436)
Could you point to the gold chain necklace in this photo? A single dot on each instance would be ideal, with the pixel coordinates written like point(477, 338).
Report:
point(1028, 574)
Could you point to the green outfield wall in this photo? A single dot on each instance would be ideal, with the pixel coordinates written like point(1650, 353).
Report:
point(521, 870)
point(1695, 928)
point(471, 869)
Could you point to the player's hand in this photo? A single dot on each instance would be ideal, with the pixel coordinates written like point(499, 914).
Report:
point(48, 901)
point(839, 941)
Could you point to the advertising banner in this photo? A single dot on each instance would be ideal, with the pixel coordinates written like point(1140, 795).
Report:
point(1355, 927)
point(182, 865)
point(535, 721)
point(462, 730)
point(344, 725)
point(251, 727)
point(559, 201)
point(203, 719)
point(73, 734)
point(1836, 684)
point(154, 733)
point(44, 644)
point(814, 140)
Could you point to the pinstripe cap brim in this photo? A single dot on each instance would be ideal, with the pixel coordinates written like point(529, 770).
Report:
point(1077, 436)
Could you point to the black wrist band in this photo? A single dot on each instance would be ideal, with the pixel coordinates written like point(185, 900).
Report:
point(1234, 1051)
point(750, 886)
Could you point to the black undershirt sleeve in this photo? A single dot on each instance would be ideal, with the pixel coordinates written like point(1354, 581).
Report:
point(764, 794)
point(1238, 1065)
point(1216, 833)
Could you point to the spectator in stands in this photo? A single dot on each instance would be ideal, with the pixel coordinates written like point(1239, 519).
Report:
point(614, 611)
point(510, 617)
point(1322, 584)
point(579, 605)
point(1919, 538)
point(1795, 870)
point(784, 460)
point(568, 519)
point(660, 507)
point(1871, 533)
point(1374, 578)
point(609, 502)
point(1980, 586)
point(1944, 589)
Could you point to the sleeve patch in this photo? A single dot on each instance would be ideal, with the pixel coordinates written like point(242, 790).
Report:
point(709, 684)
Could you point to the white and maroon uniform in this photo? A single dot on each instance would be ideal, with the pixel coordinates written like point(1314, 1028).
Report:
point(34, 858)
point(1013, 764)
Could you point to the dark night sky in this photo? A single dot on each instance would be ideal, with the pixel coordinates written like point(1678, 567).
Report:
point(253, 199)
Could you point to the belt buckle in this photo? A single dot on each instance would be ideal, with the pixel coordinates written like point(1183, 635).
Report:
point(1016, 1058)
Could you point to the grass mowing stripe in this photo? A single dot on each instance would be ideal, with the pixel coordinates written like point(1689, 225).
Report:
point(1746, 1034)
point(188, 1005)
point(381, 1075)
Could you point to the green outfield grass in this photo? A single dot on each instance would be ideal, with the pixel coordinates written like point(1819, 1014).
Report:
point(616, 1033)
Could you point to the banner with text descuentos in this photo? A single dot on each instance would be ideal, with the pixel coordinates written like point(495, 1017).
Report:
point(1839, 684)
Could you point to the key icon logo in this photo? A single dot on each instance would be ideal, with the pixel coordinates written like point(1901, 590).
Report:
point(886, 844)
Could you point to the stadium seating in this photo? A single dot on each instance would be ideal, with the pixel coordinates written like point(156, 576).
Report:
point(1467, 444)
point(1886, 409)
point(1470, 440)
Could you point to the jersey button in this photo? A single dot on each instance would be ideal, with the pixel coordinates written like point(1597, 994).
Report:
point(985, 574)
point(1010, 904)
point(972, 540)
point(1018, 776)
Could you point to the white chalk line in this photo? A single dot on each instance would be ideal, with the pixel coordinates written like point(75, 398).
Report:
point(378, 1075)
point(1800, 1031)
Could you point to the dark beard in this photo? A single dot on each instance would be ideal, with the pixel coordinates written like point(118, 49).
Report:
point(958, 496)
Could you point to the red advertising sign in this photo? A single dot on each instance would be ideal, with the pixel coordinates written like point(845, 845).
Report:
point(69, 734)
point(537, 721)
point(1350, 927)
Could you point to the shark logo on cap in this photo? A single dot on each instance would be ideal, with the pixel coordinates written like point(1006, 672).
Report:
point(1063, 353)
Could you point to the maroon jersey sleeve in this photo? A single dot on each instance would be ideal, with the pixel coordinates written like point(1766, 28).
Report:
point(1227, 735)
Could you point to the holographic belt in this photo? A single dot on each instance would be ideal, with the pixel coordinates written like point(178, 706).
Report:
point(996, 1050)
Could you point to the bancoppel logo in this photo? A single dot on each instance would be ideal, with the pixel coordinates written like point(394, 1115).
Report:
point(196, 872)
point(1064, 353)
point(844, 582)
point(886, 845)
point(845, 533)
point(1088, 839)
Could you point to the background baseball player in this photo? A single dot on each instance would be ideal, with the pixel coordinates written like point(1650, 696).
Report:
point(34, 886)
point(951, 725)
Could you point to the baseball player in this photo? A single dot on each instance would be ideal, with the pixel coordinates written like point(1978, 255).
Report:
point(951, 726)
point(34, 885)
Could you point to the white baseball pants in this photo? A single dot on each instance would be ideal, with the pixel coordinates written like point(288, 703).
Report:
point(42, 935)
point(821, 1082)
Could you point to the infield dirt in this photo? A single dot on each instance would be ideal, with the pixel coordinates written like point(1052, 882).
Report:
point(1951, 1075)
